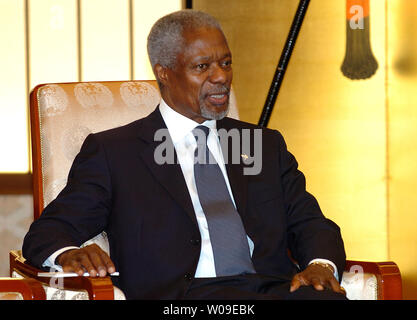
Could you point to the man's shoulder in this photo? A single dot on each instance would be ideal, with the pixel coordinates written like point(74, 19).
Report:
point(118, 136)
point(125, 132)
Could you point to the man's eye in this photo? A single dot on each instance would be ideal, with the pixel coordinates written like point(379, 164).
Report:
point(227, 63)
point(201, 66)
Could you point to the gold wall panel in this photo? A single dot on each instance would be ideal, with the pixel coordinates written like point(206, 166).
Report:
point(105, 40)
point(336, 127)
point(402, 147)
point(13, 116)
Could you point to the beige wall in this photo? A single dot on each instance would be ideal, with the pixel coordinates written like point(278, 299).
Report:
point(16, 214)
point(47, 41)
point(348, 136)
point(402, 142)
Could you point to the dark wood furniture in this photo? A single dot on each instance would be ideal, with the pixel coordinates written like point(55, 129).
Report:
point(27, 289)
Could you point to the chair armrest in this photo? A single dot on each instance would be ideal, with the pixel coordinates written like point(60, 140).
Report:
point(389, 285)
point(97, 288)
point(29, 289)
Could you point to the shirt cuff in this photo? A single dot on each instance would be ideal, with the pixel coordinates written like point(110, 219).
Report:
point(336, 275)
point(50, 261)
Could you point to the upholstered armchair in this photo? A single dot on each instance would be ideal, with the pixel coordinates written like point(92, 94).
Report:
point(62, 115)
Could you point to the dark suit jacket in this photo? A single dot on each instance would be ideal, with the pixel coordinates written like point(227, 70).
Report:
point(115, 185)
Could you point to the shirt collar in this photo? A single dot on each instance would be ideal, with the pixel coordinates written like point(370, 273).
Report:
point(178, 125)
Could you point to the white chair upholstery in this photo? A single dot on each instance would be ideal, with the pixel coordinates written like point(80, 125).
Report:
point(360, 286)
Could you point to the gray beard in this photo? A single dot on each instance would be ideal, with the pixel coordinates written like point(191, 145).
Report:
point(212, 115)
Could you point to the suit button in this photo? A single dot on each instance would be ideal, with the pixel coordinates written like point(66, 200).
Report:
point(188, 277)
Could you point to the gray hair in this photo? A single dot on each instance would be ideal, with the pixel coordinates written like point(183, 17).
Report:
point(165, 40)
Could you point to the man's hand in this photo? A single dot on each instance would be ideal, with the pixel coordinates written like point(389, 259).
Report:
point(91, 259)
point(319, 277)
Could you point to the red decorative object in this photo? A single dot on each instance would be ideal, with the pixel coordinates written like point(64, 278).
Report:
point(359, 62)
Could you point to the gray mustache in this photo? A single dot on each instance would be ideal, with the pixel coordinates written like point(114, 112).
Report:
point(220, 90)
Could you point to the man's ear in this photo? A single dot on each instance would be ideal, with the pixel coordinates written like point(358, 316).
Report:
point(161, 74)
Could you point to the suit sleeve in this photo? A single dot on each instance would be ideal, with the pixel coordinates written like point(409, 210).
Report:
point(79, 212)
point(310, 234)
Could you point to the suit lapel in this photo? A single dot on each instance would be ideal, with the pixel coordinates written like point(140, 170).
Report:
point(170, 176)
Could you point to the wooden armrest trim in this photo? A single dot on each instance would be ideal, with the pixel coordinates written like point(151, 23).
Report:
point(388, 277)
point(30, 289)
point(97, 288)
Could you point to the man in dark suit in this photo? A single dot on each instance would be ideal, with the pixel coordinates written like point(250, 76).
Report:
point(163, 231)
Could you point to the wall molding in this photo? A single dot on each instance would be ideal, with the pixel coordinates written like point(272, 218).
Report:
point(16, 183)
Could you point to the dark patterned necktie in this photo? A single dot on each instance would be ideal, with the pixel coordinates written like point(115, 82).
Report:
point(227, 234)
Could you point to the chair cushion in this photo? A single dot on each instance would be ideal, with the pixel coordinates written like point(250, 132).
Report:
point(360, 286)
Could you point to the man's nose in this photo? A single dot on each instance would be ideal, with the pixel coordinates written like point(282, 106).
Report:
point(218, 74)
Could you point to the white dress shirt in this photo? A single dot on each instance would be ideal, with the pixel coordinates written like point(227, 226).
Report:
point(180, 129)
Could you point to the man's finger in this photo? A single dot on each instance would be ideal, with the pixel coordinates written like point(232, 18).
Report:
point(73, 266)
point(315, 282)
point(107, 261)
point(91, 259)
point(295, 283)
point(101, 260)
point(335, 286)
point(88, 265)
point(97, 262)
